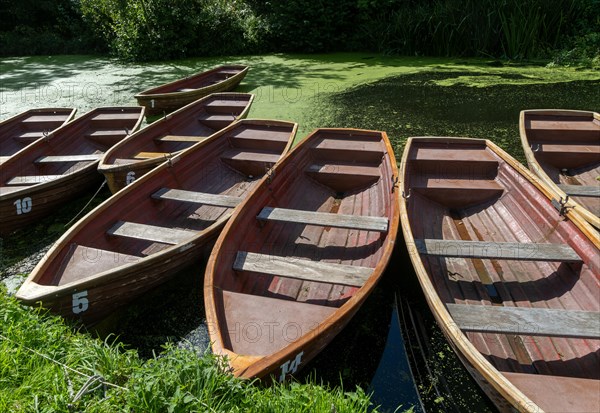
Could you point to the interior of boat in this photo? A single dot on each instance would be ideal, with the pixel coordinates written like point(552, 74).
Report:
point(79, 144)
point(306, 241)
point(178, 202)
point(198, 81)
point(518, 278)
point(567, 149)
point(180, 130)
point(27, 128)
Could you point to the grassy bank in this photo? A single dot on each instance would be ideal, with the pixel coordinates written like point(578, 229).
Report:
point(44, 363)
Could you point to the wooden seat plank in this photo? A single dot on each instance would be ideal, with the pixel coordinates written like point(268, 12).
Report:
point(526, 321)
point(32, 179)
point(216, 121)
point(46, 118)
point(218, 103)
point(302, 269)
point(257, 132)
point(107, 133)
point(180, 138)
point(150, 232)
point(150, 155)
point(246, 155)
point(581, 190)
point(227, 201)
point(561, 125)
point(247, 309)
point(349, 145)
point(340, 169)
point(497, 250)
point(69, 158)
point(28, 137)
point(116, 116)
point(584, 149)
point(437, 183)
point(367, 223)
point(453, 155)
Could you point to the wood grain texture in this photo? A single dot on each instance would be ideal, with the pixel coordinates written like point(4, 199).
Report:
point(294, 272)
point(526, 321)
point(523, 214)
point(197, 197)
point(555, 392)
point(563, 149)
point(147, 232)
point(180, 138)
point(171, 134)
point(69, 179)
point(366, 223)
point(69, 158)
point(497, 250)
point(178, 93)
point(581, 190)
point(302, 269)
point(161, 235)
point(24, 128)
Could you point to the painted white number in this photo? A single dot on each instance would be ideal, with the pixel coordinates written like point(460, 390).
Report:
point(130, 177)
point(290, 366)
point(23, 205)
point(80, 302)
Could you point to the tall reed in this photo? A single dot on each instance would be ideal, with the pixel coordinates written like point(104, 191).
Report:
point(501, 28)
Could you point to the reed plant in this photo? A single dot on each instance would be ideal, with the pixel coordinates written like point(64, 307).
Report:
point(513, 29)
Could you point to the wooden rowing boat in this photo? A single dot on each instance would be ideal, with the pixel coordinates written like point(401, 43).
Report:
point(144, 234)
point(149, 147)
point(21, 130)
point(513, 284)
point(59, 167)
point(562, 147)
point(173, 95)
point(302, 253)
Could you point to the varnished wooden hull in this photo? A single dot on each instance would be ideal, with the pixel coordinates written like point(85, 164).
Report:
point(566, 153)
point(21, 130)
point(121, 165)
point(276, 292)
point(51, 170)
point(45, 199)
point(127, 245)
point(167, 98)
point(469, 192)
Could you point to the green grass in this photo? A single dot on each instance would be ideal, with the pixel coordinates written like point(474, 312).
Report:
point(35, 347)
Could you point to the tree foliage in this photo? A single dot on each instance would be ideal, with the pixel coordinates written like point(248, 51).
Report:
point(167, 29)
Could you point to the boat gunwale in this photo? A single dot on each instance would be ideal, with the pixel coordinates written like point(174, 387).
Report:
point(43, 186)
point(457, 338)
point(112, 167)
point(71, 116)
point(249, 366)
point(53, 291)
point(535, 167)
point(147, 94)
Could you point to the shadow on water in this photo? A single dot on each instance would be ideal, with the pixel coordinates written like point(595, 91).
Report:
point(417, 105)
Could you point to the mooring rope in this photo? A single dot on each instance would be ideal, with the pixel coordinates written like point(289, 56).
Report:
point(68, 224)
